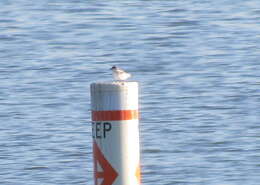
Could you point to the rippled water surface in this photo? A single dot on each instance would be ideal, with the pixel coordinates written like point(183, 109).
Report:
point(198, 64)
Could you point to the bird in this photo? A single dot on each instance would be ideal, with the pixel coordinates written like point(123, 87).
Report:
point(120, 74)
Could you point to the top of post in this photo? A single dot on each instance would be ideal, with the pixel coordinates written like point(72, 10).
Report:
point(114, 86)
point(117, 95)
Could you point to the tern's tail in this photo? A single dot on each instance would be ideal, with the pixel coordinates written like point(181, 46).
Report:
point(128, 75)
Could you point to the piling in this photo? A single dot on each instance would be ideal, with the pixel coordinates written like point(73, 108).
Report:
point(115, 132)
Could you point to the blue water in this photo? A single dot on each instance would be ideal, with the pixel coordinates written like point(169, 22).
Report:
point(198, 64)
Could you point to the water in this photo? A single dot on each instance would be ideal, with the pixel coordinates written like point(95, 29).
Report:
point(198, 65)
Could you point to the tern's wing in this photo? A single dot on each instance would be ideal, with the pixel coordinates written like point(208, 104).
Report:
point(120, 71)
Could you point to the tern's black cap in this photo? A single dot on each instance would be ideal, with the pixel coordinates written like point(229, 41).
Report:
point(114, 67)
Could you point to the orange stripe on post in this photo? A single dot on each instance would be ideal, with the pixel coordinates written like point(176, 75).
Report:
point(114, 115)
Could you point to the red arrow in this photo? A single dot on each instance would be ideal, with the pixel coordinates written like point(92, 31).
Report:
point(108, 174)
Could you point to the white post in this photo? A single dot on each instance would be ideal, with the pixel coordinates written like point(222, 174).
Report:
point(115, 132)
